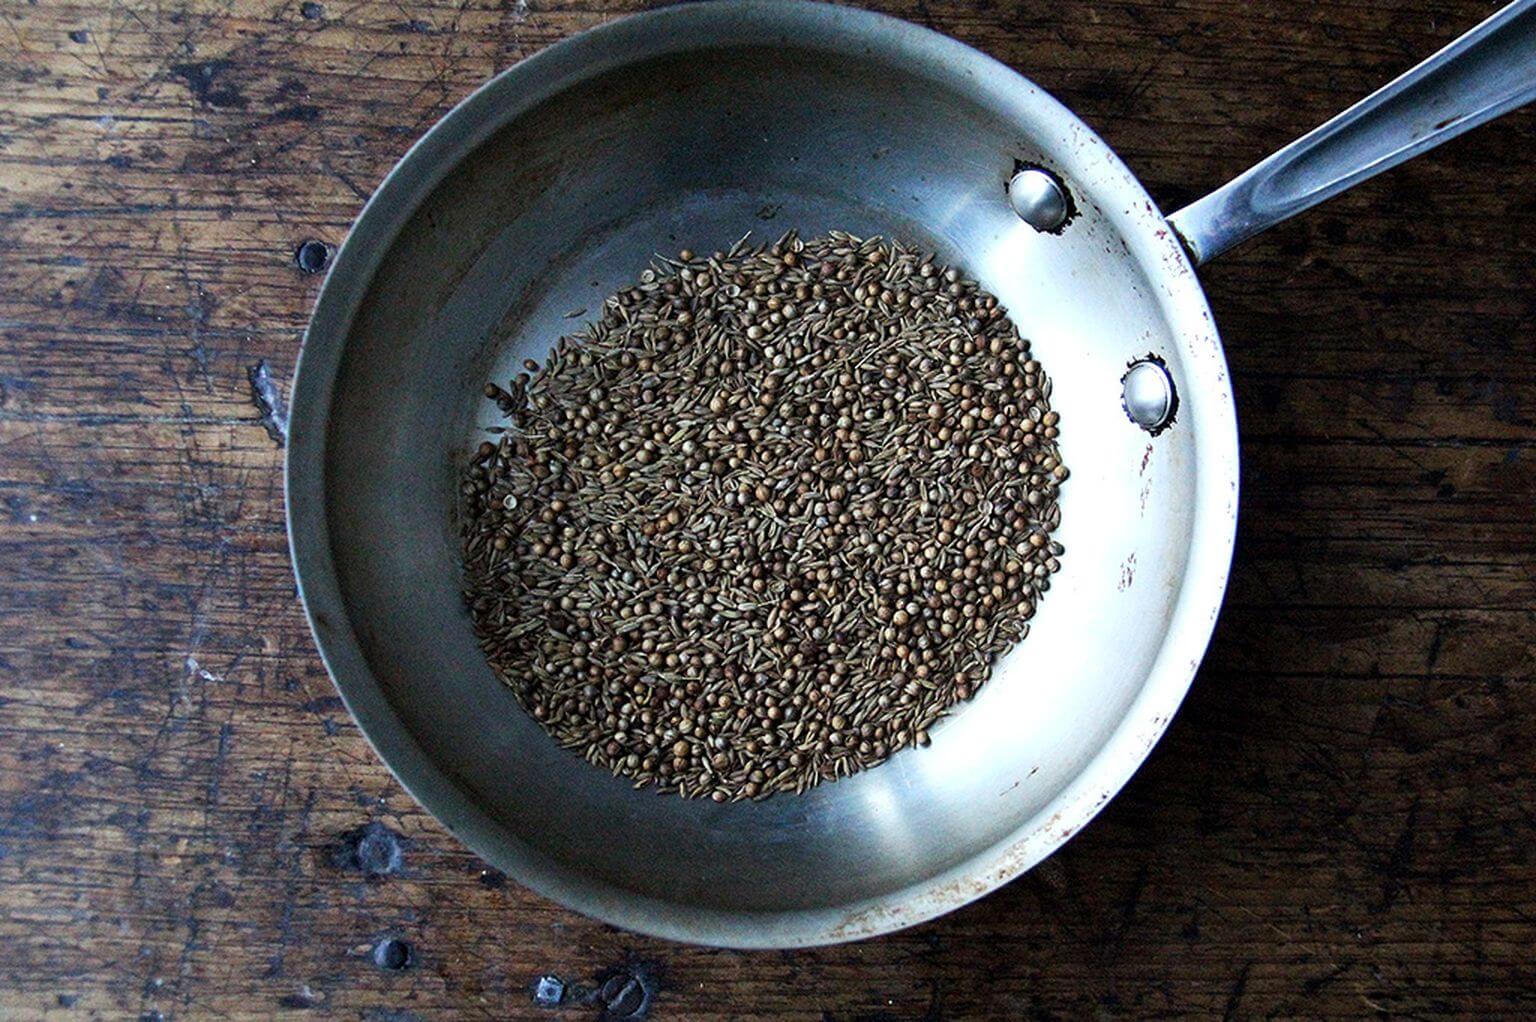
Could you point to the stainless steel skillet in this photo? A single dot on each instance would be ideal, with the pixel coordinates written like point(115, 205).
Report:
point(554, 184)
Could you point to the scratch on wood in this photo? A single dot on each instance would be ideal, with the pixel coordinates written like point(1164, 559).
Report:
point(269, 402)
point(1235, 995)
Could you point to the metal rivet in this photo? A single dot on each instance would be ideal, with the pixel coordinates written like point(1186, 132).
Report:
point(393, 954)
point(624, 996)
point(548, 990)
point(312, 256)
point(1147, 392)
point(1039, 199)
point(626, 992)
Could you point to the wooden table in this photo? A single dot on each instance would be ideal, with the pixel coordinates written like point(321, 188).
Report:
point(1341, 822)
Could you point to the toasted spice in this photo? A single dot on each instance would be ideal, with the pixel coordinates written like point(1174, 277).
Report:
point(765, 521)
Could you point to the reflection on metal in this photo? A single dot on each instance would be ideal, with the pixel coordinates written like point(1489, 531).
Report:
point(1484, 74)
point(1039, 199)
point(1147, 392)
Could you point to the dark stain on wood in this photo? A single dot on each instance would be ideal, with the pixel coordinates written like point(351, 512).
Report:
point(298, 112)
point(209, 83)
point(372, 850)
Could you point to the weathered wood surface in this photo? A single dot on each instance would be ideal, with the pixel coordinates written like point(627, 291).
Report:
point(1340, 822)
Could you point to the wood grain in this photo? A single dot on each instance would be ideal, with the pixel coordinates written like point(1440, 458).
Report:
point(1339, 824)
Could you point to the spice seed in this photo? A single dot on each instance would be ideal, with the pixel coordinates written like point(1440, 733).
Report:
point(768, 519)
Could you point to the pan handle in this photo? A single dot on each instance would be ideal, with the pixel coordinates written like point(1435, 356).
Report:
point(1487, 72)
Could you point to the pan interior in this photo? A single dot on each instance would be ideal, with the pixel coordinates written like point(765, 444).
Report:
point(520, 242)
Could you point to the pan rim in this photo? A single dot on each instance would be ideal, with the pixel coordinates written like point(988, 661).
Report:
point(425, 164)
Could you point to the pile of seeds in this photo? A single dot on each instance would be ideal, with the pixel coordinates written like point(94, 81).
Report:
point(768, 518)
